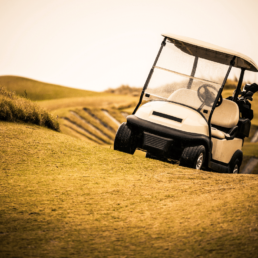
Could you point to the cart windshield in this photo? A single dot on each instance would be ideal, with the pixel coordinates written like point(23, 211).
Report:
point(185, 79)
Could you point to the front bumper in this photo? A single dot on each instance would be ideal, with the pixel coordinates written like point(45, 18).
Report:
point(161, 130)
point(141, 127)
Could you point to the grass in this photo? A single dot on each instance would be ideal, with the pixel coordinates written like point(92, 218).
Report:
point(61, 101)
point(76, 132)
point(61, 197)
point(66, 108)
point(14, 108)
point(86, 200)
point(250, 149)
point(104, 127)
point(103, 101)
point(97, 133)
point(36, 90)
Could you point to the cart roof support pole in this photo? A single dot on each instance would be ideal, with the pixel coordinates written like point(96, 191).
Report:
point(150, 74)
point(219, 93)
point(238, 89)
point(193, 72)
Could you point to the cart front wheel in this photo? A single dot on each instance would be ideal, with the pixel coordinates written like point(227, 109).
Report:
point(125, 140)
point(193, 157)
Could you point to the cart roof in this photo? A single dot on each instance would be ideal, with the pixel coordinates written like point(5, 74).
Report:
point(211, 52)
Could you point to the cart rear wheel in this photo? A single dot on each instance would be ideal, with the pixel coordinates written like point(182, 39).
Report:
point(193, 157)
point(125, 140)
point(235, 162)
point(234, 168)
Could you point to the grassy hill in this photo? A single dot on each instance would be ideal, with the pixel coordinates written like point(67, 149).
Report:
point(36, 90)
point(61, 197)
point(94, 118)
point(86, 115)
point(15, 108)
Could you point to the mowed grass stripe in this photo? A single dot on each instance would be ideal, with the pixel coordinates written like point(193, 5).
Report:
point(93, 125)
point(78, 127)
point(73, 130)
point(116, 114)
point(88, 113)
point(98, 113)
point(111, 117)
point(90, 129)
point(67, 129)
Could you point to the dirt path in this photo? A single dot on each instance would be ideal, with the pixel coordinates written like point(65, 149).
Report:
point(248, 168)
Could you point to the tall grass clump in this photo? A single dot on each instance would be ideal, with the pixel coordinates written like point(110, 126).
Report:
point(15, 108)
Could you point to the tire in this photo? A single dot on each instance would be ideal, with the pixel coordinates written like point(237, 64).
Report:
point(234, 168)
point(235, 162)
point(193, 157)
point(125, 140)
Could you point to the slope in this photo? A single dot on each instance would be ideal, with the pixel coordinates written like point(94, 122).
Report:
point(36, 90)
point(94, 118)
point(87, 115)
point(60, 197)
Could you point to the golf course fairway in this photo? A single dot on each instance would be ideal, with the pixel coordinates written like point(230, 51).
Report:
point(62, 197)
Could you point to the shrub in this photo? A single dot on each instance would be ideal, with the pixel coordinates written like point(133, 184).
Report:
point(15, 108)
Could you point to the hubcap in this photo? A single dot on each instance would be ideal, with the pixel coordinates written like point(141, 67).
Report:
point(199, 161)
point(235, 170)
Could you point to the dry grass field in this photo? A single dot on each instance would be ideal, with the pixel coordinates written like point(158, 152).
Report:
point(62, 197)
point(93, 118)
point(14, 108)
point(86, 115)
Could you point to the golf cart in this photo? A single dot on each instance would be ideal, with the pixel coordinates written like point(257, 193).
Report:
point(183, 116)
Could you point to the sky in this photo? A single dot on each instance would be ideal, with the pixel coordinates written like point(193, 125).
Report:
point(100, 44)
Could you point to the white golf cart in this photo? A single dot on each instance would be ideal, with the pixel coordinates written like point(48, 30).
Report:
point(184, 117)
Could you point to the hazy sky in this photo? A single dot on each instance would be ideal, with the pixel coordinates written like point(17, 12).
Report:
point(105, 43)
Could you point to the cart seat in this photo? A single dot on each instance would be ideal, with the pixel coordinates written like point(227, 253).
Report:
point(217, 133)
point(230, 135)
point(226, 115)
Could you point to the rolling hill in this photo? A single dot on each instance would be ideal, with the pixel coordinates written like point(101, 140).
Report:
point(87, 115)
point(36, 90)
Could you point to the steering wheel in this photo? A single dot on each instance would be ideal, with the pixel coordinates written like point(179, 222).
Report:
point(207, 95)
